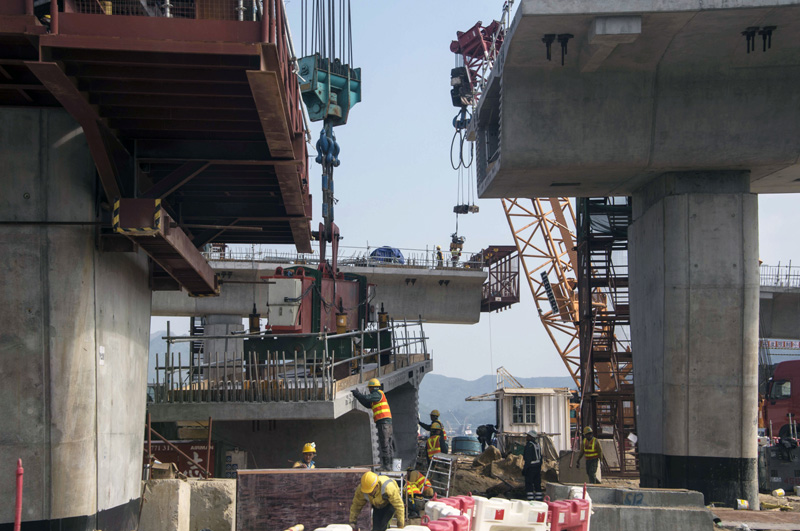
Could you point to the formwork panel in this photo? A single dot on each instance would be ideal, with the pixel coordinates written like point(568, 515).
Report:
point(279, 499)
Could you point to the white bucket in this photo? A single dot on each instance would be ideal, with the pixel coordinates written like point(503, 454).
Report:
point(396, 464)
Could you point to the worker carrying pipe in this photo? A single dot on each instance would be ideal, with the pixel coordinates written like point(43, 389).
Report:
point(382, 416)
point(384, 495)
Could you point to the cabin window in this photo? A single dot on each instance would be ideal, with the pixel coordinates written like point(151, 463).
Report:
point(780, 389)
point(524, 410)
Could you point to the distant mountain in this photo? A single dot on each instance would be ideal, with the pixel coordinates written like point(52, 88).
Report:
point(158, 345)
point(448, 396)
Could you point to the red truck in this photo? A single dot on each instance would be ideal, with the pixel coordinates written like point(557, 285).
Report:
point(782, 402)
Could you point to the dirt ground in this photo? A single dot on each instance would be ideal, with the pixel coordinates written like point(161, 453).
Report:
point(491, 476)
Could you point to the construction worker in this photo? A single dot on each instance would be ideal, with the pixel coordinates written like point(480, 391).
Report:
point(485, 433)
point(439, 256)
point(382, 416)
point(532, 466)
point(417, 489)
point(307, 456)
point(592, 453)
point(456, 248)
point(437, 439)
point(385, 497)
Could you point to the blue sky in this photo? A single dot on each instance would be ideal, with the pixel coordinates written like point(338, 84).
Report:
point(396, 187)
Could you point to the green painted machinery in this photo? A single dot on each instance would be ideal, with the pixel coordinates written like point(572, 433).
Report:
point(329, 88)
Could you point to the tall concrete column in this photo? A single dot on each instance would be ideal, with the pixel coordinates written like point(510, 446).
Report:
point(220, 350)
point(403, 402)
point(694, 313)
point(74, 336)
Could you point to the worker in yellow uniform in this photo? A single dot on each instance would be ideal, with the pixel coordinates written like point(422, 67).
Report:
point(307, 456)
point(437, 440)
point(439, 256)
point(592, 453)
point(418, 488)
point(382, 416)
point(384, 495)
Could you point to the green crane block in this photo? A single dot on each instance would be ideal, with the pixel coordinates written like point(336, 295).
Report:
point(329, 88)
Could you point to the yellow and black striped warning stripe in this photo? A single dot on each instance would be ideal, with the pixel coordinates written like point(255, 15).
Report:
point(137, 230)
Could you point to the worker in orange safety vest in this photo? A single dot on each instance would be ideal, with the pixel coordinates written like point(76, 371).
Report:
point(382, 416)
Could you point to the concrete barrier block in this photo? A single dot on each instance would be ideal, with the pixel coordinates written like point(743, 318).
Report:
point(165, 506)
point(213, 504)
point(628, 518)
point(659, 498)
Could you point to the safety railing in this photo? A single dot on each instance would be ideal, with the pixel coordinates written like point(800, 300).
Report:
point(283, 376)
point(779, 276)
point(198, 9)
point(353, 256)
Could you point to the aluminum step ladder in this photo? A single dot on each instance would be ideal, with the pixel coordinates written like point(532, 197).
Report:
point(440, 472)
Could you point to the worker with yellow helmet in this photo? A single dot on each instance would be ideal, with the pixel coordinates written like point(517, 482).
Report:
point(437, 439)
point(382, 416)
point(385, 497)
point(592, 454)
point(439, 256)
point(307, 456)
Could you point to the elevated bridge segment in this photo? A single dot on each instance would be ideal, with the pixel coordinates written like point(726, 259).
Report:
point(439, 295)
point(646, 88)
point(676, 105)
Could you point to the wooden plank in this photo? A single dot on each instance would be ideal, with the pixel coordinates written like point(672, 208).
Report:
point(272, 499)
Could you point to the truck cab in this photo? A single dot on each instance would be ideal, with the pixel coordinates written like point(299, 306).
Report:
point(782, 402)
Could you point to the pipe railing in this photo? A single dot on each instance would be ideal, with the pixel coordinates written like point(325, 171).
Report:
point(779, 276)
point(282, 376)
point(359, 257)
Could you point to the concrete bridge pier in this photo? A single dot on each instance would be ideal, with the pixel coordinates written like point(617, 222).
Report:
point(221, 350)
point(74, 336)
point(695, 303)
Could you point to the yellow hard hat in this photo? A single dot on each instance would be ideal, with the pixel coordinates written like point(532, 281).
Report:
point(369, 481)
point(587, 430)
point(438, 247)
point(374, 383)
point(309, 448)
point(435, 412)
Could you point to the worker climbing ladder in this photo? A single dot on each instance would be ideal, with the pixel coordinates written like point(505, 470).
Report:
point(440, 472)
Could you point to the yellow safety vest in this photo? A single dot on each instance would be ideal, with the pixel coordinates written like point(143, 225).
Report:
point(432, 446)
point(591, 449)
point(417, 487)
point(381, 408)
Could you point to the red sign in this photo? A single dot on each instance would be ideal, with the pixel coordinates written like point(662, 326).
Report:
point(195, 449)
point(499, 514)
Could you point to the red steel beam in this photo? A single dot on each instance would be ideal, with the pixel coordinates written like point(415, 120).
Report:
point(176, 179)
point(182, 88)
point(166, 102)
point(133, 124)
point(166, 30)
point(266, 88)
point(158, 73)
point(150, 227)
point(52, 77)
